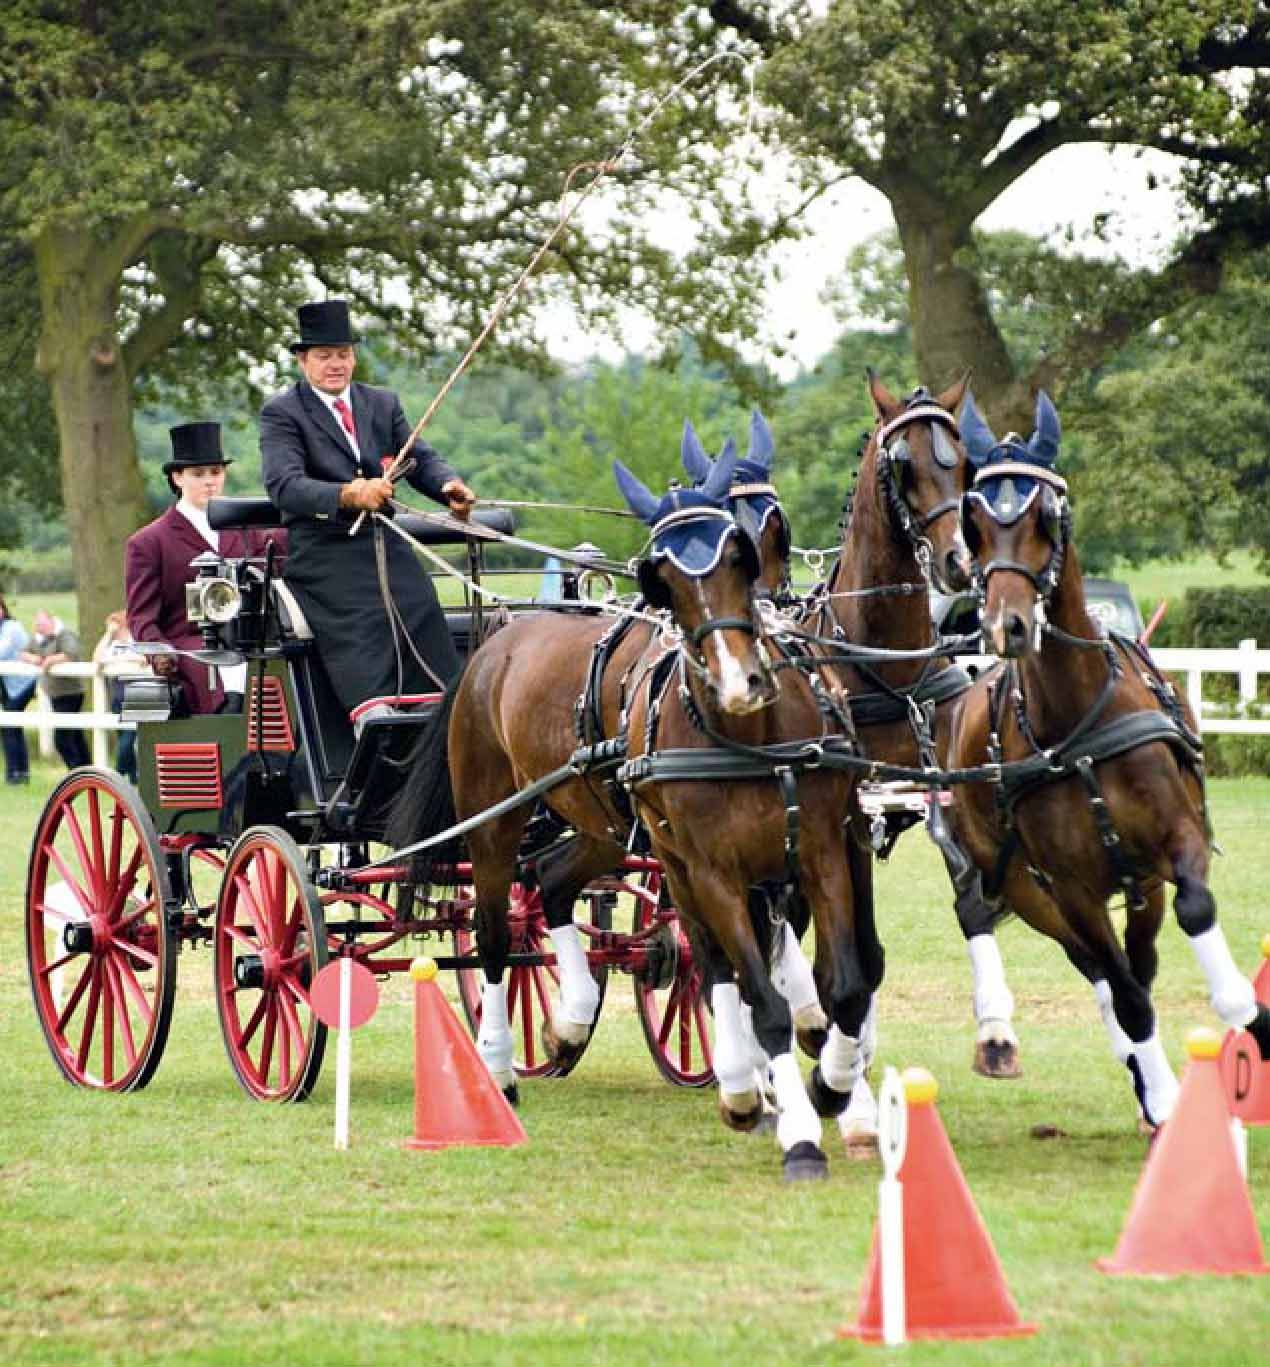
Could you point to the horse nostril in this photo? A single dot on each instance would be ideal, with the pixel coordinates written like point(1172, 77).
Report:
point(755, 682)
point(957, 569)
point(1015, 629)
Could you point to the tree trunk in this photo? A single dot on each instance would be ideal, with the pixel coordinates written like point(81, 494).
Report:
point(80, 356)
point(953, 327)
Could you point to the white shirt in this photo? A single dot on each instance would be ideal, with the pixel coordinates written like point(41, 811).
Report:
point(198, 516)
point(329, 400)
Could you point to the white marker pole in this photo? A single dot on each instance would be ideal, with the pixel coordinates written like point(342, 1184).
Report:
point(892, 1141)
point(1240, 1137)
point(343, 1054)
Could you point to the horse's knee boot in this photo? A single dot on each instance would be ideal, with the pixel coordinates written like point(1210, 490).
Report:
point(825, 1099)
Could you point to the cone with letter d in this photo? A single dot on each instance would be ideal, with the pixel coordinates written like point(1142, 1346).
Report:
point(1191, 1212)
point(954, 1286)
point(1245, 1073)
point(457, 1102)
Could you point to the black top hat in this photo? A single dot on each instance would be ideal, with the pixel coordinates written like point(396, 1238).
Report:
point(195, 443)
point(324, 324)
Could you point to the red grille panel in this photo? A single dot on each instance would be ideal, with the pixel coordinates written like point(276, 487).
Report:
point(189, 775)
point(268, 725)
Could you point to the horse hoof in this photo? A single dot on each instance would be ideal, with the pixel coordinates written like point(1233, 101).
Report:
point(804, 1162)
point(742, 1121)
point(861, 1146)
point(512, 1093)
point(997, 1058)
point(811, 1040)
point(827, 1102)
point(766, 1124)
point(563, 1053)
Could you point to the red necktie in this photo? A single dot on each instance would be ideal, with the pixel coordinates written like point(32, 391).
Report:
point(346, 416)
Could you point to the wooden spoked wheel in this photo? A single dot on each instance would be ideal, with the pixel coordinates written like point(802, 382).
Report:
point(668, 992)
point(532, 990)
point(101, 948)
point(270, 944)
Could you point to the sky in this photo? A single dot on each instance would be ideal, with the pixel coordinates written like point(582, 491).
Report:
point(1064, 191)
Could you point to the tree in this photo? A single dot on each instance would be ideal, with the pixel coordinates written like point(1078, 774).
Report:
point(942, 107)
point(177, 177)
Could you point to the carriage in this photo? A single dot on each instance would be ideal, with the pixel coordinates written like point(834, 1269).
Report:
point(252, 834)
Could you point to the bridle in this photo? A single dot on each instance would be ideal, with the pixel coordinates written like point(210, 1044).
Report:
point(894, 457)
point(1056, 521)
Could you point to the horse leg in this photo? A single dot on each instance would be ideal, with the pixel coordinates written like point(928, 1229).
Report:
point(492, 850)
point(562, 876)
point(1232, 995)
point(793, 978)
point(858, 1124)
point(996, 1044)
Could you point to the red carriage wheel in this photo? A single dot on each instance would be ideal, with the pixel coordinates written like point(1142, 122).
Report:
point(101, 948)
point(532, 990)
point(270, 943)
point(668, 991)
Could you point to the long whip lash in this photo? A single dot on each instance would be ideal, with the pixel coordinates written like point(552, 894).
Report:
point(601, 170)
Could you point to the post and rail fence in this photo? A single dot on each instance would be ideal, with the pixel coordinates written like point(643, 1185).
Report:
point(1188, 668)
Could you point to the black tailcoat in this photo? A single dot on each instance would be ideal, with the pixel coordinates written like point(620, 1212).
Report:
point(306, 457)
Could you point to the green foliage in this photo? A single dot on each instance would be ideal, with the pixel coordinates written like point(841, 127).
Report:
point(1213, 618)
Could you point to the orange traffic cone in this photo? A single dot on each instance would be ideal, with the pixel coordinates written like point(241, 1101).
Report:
point(953, 1281)
point(457, 1102)
point(1191, 1211)
point(1245, 1073)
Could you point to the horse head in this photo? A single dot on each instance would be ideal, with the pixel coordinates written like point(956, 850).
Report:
point(1017, 523)
point(752, 498)
point(916, 455)
point(702, 568)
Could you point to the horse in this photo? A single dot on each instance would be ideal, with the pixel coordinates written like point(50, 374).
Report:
point(902, 533)
point(675, 696)
point(1102, 789)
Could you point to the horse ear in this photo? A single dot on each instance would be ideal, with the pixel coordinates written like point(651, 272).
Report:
point(720, 481)
point(697, 465)
point(729, 450)
point(1043, 447)
point(762, 448)
point(952, 396)
point(885, 404)
point(638, 498)
point(975, 432)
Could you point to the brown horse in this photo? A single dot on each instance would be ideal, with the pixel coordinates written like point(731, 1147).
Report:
point(692, 686)
point(904, 534)
point(1110, 796)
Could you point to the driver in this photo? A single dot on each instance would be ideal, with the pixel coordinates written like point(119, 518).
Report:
point(157, 568)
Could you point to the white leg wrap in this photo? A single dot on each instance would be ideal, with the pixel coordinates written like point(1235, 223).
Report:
point(869, 1037)
point(1229, 991)
point(579, 995)
point(1158, 1082)
point(841, 1064)
point(860, 1119)
point(797, 1120)
point(994, 1002)
point(733, 1060)
point(791, 973)
point(758, 1059)
point(1121, 1044)
point(494, 1042)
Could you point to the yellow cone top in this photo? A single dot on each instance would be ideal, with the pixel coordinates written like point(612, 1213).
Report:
point(1265, 946)
point(1203, 1042)
point(423, 969)
point(920, 1086)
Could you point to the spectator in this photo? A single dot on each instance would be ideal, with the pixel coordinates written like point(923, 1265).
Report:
point(15, 693)
point(54, 643)
point(115, 663)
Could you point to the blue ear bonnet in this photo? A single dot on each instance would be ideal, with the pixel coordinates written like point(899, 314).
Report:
point(752, 510)
point(1010, 493)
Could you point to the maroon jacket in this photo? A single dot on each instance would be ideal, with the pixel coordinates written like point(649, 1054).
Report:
point(156, 571)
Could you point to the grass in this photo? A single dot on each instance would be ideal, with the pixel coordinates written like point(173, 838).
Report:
point(186, 1225)
point(1170, 579)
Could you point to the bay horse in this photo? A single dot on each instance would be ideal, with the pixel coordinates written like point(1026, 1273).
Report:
point(1110, 798)
point(902, 534)
point(683, 689)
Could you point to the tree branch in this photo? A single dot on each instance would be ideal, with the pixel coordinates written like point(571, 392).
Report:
point(729, 14)
point(177, 262)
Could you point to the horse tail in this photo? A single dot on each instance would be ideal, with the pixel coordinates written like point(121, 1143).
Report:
point(425, 805)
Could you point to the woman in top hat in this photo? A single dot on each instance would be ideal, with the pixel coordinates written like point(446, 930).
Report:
point(324, 445)
point(157, 566)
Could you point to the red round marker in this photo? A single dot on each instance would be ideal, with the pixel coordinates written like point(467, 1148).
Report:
point(363, 996)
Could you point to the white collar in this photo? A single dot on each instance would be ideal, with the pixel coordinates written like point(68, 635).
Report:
point(198, 518)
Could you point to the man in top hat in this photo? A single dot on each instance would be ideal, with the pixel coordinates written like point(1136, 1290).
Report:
point(325, 443)
point(157, 567)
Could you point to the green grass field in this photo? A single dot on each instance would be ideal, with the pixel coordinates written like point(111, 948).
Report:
point(185, 1224)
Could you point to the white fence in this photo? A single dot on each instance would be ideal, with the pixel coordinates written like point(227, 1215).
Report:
point(1245, 662)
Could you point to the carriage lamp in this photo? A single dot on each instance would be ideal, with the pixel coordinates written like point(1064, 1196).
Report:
point(212, 600)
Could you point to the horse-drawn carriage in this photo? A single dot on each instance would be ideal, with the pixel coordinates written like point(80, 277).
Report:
point(252, 833)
